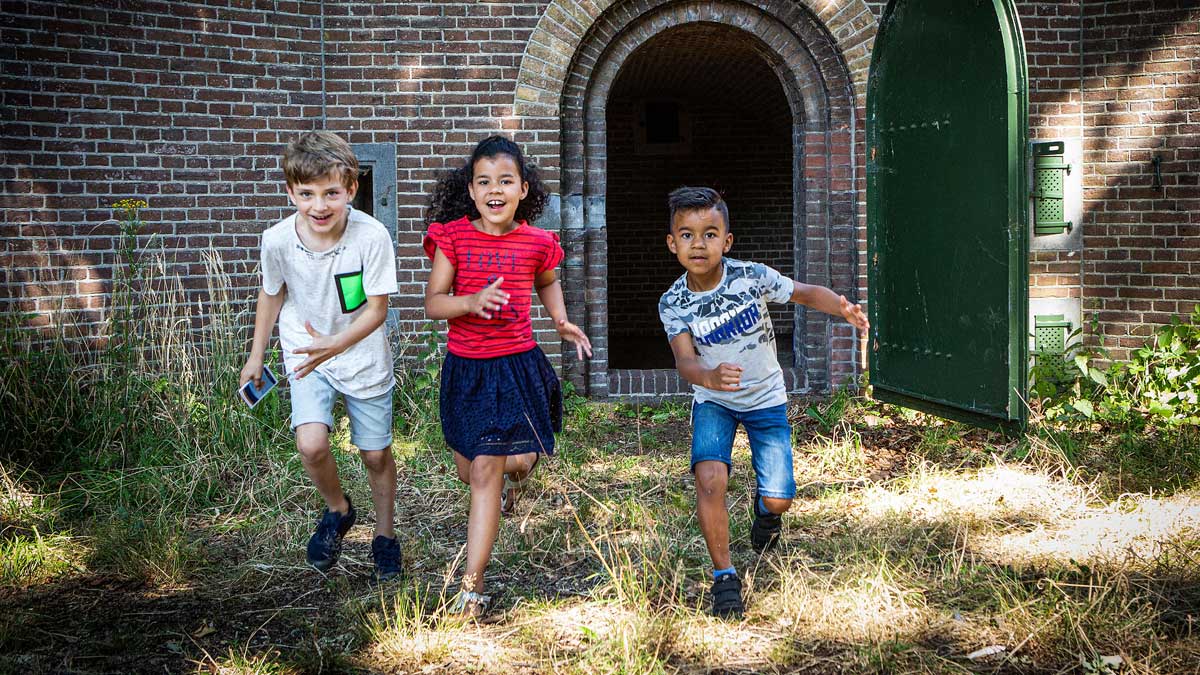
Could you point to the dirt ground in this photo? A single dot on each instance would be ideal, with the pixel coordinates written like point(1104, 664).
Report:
point(239, 616)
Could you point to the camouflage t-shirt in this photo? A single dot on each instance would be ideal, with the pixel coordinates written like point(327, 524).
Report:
point(730, 324)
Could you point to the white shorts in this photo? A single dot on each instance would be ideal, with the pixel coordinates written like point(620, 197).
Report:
point(370, 418)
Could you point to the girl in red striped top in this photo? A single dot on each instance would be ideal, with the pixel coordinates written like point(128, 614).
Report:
point(500, 398)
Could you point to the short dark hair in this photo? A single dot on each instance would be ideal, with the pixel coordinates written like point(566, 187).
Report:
point(696, 199)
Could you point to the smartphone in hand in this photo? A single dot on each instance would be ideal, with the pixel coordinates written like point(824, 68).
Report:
point(252, 394)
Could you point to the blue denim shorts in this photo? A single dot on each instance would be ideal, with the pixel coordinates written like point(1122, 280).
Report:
point(370, 418)
point(713, 427)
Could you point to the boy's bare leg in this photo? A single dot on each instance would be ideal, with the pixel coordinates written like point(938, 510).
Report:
point(381, 474)
point(776, 505)
point(712, 481)
point(483, 522)
point(312, 441)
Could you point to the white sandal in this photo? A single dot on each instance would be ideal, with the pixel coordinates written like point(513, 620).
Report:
point(472, 604)
point(511, 493)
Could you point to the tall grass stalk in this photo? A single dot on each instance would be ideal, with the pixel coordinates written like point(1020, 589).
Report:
point(142, 428)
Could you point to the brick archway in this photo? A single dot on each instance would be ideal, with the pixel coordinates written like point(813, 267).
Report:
point(820, 83)
point(555, 42)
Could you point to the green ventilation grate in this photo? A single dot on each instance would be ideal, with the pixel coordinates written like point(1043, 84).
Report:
point(1050, 345)
point(1049, 175)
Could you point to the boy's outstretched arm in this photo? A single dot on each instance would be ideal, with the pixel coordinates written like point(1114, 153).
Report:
point(266, 311)
point(725, 377)
point(549, 291)
point(325, 347)
point(825, 300)
point(439, 304)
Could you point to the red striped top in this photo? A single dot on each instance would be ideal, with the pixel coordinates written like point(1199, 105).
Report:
point(479, 258)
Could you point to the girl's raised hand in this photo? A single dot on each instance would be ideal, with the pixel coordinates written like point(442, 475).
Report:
point(488, 300)
point(573, 334)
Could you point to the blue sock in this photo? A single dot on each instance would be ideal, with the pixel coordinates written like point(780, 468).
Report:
point(760, 508)
point(728, 570)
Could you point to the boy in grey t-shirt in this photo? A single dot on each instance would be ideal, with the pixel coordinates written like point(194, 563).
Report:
point(716, 318)
point(327, 271)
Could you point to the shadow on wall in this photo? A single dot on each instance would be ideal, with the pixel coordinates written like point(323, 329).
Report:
point(1140, 235)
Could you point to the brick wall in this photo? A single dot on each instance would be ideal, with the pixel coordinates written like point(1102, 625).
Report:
point(1141, 102)
point(433, 79)
point(188, 106)
point(184, 105)
point(1052, 32)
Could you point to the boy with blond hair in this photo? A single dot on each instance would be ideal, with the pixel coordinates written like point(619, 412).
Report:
point(327, 272)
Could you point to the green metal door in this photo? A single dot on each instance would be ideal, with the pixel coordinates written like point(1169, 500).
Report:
point(947, 209)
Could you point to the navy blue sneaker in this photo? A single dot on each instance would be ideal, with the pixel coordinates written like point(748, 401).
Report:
point(386, 554)
point(325, 545)
point(727, 596)
point(764, 532)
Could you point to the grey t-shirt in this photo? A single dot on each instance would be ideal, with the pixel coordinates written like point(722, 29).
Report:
point(730, 324)
point(329, 289)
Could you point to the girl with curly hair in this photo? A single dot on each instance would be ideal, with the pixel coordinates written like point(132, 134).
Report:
point(500, 398)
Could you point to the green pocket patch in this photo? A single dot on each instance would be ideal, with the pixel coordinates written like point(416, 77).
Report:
point(350, 290)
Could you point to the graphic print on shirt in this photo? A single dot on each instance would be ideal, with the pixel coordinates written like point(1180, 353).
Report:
point(350, 291)
point(733, 315)
point(731, 324)
point(483, 261)
point(727, 325)
point(499, 264)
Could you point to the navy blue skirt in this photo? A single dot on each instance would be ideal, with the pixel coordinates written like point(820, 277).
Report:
point(507, 405)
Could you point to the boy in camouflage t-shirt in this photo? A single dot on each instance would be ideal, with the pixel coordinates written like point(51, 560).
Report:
point(716, 318)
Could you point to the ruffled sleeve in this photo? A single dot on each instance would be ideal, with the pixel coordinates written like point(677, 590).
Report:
point(438, 236)
point(553, 254)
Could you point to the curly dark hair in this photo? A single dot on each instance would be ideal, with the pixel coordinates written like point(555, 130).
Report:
point(451, 199)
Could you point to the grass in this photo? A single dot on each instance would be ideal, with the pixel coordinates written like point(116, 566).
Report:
point(159, 526)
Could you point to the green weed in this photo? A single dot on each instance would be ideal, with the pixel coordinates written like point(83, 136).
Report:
point(830, 413)
point(1159, 385)
point(412, 626)
point(28, 559)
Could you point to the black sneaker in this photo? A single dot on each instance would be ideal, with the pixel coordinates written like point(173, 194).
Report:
point(386, 554)
point(727, 596)
point(764, 532)
point(325, 545)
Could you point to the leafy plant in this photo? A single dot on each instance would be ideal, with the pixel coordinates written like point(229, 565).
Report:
point(1159, 384)
point(829, 414)
point(1162, 380)
point(656, 414)
point(419, 382)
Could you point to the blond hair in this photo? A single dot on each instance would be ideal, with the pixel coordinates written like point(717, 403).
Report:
point(317, 154)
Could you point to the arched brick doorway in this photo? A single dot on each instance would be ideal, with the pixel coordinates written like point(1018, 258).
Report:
point(810, 66)
point(699, 104)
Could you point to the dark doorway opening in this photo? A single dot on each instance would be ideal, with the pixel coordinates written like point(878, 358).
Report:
point(696, 105)
point(364, 199)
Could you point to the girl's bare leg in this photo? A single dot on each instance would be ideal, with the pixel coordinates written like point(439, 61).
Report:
point(483, 521)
